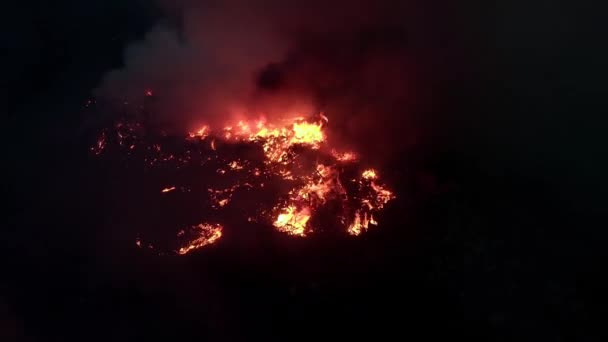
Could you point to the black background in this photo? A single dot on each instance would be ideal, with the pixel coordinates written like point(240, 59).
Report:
point(510, 248)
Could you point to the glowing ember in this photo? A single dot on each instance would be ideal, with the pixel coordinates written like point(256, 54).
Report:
point(297, 183)
point(100, 145)
point(207, 234)
point(235, 165)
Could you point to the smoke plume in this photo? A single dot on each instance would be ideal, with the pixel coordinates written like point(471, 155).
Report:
point(216, 61)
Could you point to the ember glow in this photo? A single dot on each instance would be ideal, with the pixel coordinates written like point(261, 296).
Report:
point(205, 234)
point(279, 173)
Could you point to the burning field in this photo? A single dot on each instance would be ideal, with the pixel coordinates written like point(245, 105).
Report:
point(282, 174)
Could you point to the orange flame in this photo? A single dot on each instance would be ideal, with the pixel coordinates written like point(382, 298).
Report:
point(278, 140)
point(344, 156)
point(361, 223)
point(293, 221)
point(369, 174)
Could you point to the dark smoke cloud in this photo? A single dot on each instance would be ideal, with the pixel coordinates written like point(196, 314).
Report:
point(351, 59)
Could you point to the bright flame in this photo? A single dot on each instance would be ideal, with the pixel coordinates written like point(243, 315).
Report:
point(372, 221)
point(293, 221)
point(165, 190)
point(361, 223)
point(307, 133)
point(369, 174)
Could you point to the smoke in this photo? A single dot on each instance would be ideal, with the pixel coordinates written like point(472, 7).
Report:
point(226, 60)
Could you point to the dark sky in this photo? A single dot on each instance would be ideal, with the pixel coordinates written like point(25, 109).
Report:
point(509, 248)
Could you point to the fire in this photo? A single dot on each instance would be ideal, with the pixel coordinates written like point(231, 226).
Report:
point(276, 141)
point(382, 195)
point(207, 234)
point(372, 221)
point(361, 223)
point(294, 165)
point(235, 165)
point(293, 221)
point(201, 133)
point(307, 133)
point(369, 174)
point(357, 226)
point(344, 156)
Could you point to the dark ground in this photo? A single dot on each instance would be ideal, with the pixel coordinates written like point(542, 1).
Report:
point(509, 246)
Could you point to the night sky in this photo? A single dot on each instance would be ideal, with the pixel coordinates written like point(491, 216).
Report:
point(497, 234)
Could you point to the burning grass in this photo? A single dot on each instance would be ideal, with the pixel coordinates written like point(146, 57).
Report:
point(286, 170)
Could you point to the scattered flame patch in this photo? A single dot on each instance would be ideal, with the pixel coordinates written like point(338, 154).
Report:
point(300, 186)
point(206, 234)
